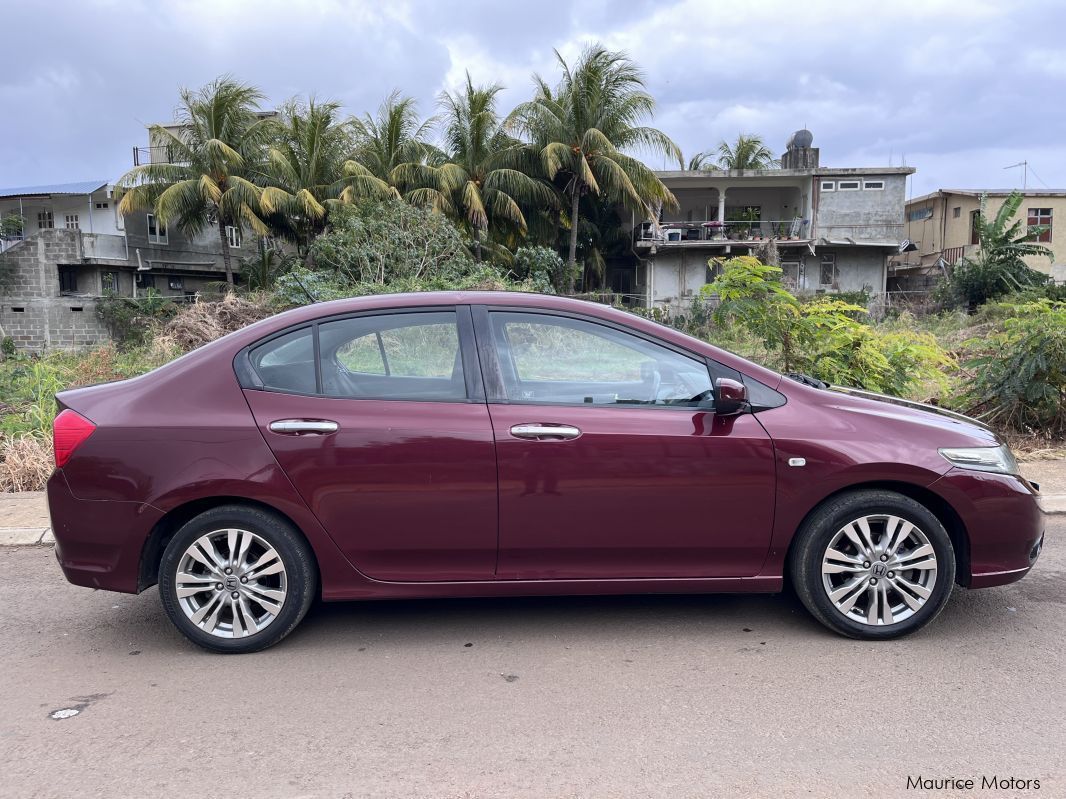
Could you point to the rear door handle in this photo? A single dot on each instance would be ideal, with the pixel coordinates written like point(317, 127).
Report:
point(545, 432)
point(297, 427)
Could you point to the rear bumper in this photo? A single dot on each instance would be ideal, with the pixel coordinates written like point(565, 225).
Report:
point(1004, 522)
point(99, 542)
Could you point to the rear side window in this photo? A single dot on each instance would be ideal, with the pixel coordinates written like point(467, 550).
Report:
point(404, 356)
point(287, 363)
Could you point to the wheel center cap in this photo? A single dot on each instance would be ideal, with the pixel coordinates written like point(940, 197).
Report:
point(879, 570)
point(231, 583)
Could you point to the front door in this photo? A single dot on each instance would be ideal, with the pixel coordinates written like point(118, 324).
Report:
point(611, 464)
point(387, 439)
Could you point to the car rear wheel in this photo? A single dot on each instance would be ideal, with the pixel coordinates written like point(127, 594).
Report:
point(873, 564)
point(237, 579)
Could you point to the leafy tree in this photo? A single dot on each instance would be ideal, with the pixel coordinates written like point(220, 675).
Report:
point(12, 225)
point(699, 162)
point(380, 242)
point(307, 168)
point(482, 183)
point(747, 152)
point(214, 155)
point(998, 267)
point(581, 128)
point(393, 138)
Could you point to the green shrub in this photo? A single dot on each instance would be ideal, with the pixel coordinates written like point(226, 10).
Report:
point(1019, 373)
point(131, 320)
point(543, 267)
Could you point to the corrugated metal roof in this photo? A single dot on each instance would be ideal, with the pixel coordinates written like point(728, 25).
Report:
point(82, 187)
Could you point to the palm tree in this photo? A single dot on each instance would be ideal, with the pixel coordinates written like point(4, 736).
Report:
point(212, 156)
point(308, 168)
point(699, 161)
point(748, 152)
point(582, 126)
point(482, 183)
point(395, 136)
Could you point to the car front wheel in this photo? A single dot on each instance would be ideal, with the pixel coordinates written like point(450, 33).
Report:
point(237, 579)
point(873, 564)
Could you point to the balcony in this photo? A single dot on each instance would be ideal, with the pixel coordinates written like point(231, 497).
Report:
point(713, 232)
point(158, 154)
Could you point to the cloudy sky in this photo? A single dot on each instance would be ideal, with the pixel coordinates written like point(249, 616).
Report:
point(958, 89)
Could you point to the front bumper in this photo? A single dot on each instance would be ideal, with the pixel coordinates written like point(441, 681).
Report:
point(1003, 520)
point(99, 542)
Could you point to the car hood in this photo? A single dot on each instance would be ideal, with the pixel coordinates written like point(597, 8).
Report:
point(855, 400)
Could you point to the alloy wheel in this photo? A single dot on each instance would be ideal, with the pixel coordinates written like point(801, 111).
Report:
point(879, 569)
point(231, 583)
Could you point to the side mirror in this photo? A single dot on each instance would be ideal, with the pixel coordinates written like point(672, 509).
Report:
point(731, 397)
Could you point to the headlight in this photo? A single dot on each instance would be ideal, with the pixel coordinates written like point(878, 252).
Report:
point(982, 459)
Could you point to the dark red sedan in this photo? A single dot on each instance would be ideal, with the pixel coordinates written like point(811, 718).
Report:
point(493, 444)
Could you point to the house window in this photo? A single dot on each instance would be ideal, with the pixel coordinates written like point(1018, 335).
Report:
point(72, 221)
point(828, 272)
point(873, 185)
point(157, 231)
point(145, 280)
point(108, 282)
point(975, 234)
point(848, 185)
point(956, 212)
point(101, 206)
point(233, 236)
point(44, 220)
point(68, 279)
point(918, 214)
point(1040, 217)
point(790, 271)
point(176, 283)
point(829, 185)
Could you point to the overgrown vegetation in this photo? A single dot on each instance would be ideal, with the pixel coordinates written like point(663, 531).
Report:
point(825, 337)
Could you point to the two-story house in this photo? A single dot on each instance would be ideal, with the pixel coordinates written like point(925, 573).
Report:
point(70, 246)
point(834, 228)
point(942, 227)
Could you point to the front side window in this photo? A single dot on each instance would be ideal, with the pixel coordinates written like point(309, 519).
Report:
point(399, 356)
point(1040, 218)
point(71, 222)
point(109, 282)
point(45, 220)
point(562, 361)
point(233, 236)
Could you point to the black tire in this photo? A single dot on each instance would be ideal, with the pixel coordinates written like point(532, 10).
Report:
point(818, 532)
point(301, 575)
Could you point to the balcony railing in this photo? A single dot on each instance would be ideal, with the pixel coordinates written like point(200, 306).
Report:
point(160, 154)
point(680, 232)
point(104, 245)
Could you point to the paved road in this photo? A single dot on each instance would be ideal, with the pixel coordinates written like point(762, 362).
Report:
point(612, 697)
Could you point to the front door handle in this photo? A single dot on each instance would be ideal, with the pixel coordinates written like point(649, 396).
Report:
point(544, 432)
point(297, 427)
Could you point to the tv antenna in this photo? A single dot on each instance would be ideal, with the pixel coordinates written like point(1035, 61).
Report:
point(1025, 172)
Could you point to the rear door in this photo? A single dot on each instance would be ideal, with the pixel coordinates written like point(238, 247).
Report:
point(612, 463)
point(379, 420)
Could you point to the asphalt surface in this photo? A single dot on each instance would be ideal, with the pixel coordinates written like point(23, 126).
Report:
point(599, 697)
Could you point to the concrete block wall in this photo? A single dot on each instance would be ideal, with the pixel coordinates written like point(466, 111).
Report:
point(42, 323)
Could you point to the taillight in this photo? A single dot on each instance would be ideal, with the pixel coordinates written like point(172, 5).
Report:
point(69, 430)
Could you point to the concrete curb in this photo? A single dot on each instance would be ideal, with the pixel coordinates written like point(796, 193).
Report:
point(1053, 503)
point(26, 536)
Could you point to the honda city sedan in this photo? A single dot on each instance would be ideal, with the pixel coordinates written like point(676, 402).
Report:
point(502, 444)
